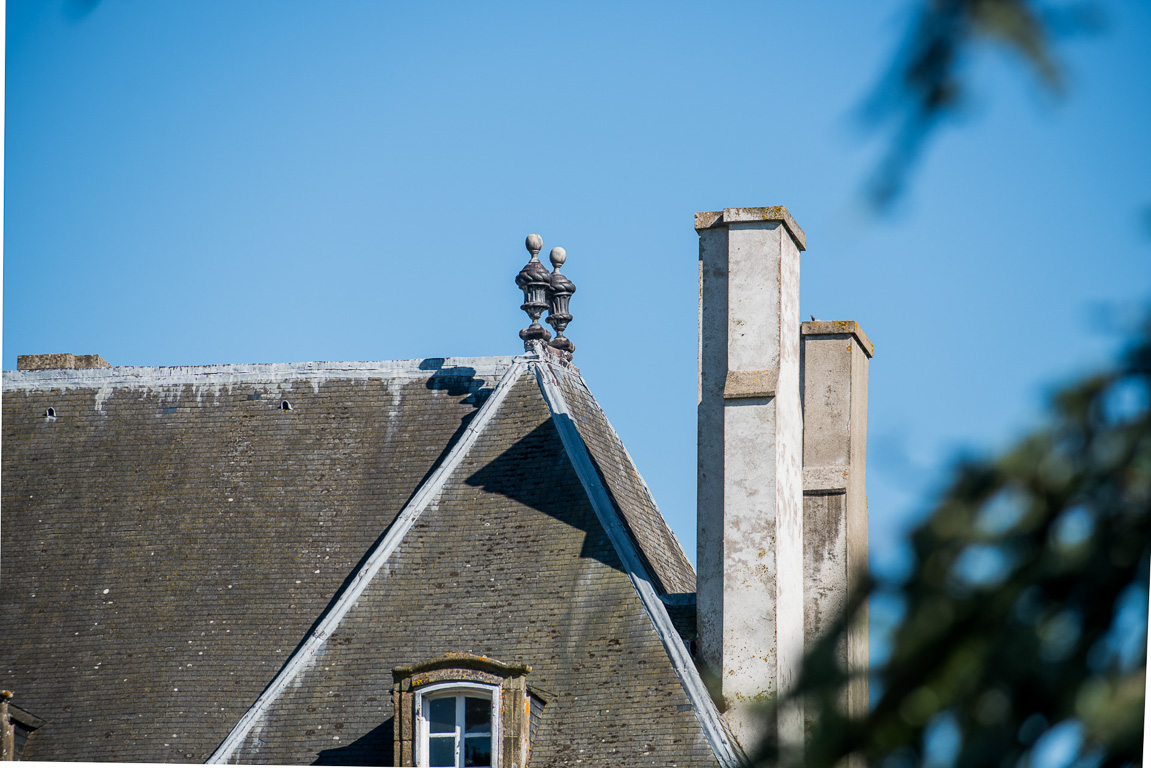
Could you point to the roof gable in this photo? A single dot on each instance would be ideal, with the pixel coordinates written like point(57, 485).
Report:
point(403, 472)
point(508, 560)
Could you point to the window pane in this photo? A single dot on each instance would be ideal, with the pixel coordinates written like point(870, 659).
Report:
point(442, 751)
point(442, 715)
point(477, 715)
point(478, 750)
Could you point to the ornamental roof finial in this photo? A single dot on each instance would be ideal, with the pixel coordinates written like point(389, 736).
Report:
point(534, 281)
point(546, 291)
point(559, 295)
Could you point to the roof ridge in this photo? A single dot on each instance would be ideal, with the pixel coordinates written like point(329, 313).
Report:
point(723, 746)
point(396, 532)
point(241, 373)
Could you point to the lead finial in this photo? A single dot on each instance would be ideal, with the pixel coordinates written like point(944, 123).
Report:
point(558, 257)
point(559, 296)
point(534, 281)
point(534, 244)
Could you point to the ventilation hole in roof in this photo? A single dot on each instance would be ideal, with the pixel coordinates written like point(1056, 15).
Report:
point(50, 413)
point(285, 405)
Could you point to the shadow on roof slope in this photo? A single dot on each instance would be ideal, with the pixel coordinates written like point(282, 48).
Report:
point(376, 747)
point(507, 476)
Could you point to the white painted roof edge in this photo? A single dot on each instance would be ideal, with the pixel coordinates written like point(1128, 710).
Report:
point(248, 373)
point(403, 523)
point(723, 745)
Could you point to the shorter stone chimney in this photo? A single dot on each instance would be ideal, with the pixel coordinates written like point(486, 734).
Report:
point(65, 360)
point(835, 358)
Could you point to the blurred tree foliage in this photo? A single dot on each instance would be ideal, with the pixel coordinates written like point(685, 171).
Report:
point(926, 83)
point(1021, 636)
point(1024, 616)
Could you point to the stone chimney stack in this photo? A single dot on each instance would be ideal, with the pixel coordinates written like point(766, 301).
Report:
point(749, 588)
point(835, 358)
point(64, 360)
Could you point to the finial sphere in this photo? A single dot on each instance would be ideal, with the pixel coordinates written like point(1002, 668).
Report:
point(558, 257)
point(534, 243)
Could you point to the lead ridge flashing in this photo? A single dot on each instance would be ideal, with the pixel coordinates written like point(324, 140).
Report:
point(251, 373)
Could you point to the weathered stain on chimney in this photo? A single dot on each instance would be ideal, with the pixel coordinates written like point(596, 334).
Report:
point(750, 485)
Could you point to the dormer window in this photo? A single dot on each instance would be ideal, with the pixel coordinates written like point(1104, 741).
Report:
point(458, 724)
point(464, 710)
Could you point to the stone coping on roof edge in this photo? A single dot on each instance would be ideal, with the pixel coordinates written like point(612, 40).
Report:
point(255, 373)
point(716, 219)
point(835, 328)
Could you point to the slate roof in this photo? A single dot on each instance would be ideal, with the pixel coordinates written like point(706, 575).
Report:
point(190, 570)
point(656, 542)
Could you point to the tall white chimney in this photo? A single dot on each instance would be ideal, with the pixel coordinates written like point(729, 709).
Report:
point(749, 588)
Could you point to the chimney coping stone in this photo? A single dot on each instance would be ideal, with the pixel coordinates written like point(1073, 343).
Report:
point(715, 219)
point(838, 327)
point(63, 360)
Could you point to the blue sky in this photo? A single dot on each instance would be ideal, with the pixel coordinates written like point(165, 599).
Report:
point(275, 181)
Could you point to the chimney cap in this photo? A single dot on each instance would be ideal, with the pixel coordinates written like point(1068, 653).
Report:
point(838, 328)
point(717, 219)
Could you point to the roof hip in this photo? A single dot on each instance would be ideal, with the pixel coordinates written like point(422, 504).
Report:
point(723, 746)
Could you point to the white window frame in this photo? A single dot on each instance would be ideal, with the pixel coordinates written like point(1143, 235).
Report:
point(491, 692)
